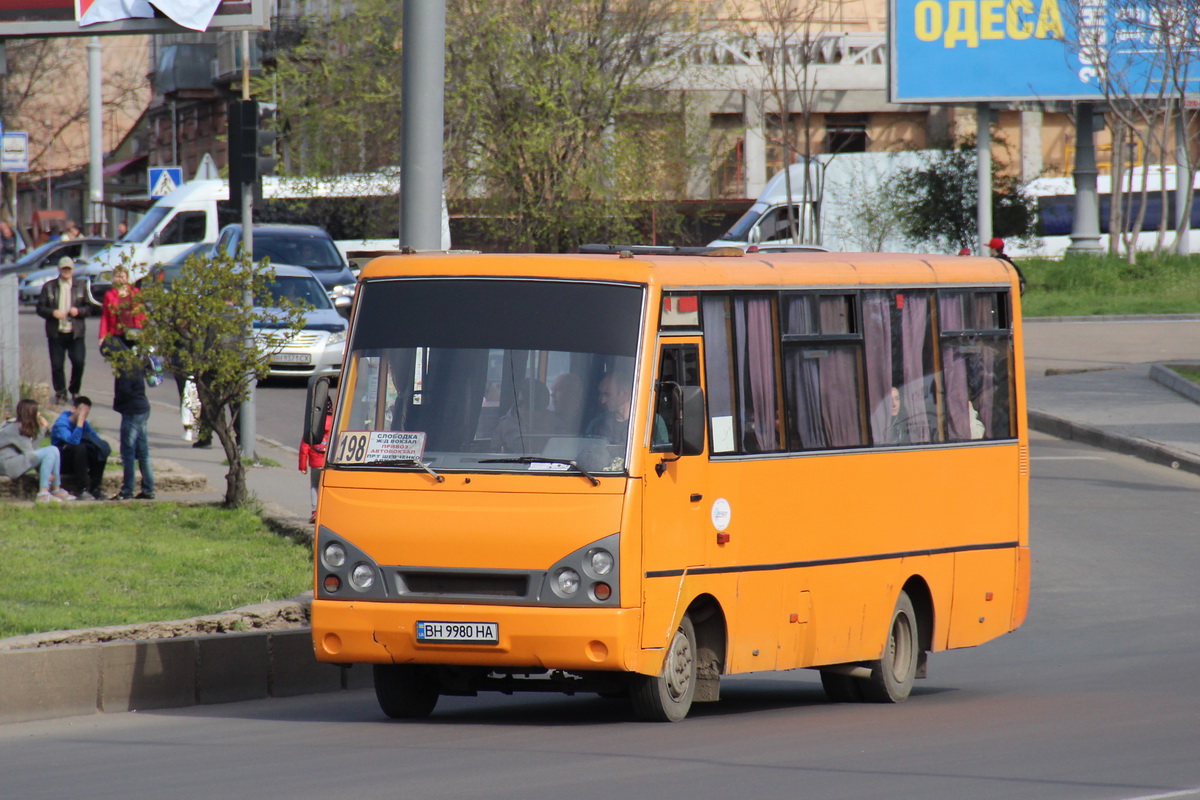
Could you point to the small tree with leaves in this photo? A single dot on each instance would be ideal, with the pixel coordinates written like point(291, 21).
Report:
point(936, 202)
point(198, 325)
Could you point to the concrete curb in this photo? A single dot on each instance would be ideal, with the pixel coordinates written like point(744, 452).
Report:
point(1161, 374)
point(53, 682)
point(1119, 443)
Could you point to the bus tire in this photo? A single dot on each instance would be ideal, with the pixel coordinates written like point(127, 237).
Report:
point(406, 691)
point(841, 688)
point(892, 675)
point(667, 697)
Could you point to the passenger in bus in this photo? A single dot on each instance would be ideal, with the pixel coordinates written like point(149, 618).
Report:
point(566, 401)
point(897, 430)
point(615, 394)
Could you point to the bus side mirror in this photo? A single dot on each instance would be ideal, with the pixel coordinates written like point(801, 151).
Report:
point(755, 235)
point(318, 396)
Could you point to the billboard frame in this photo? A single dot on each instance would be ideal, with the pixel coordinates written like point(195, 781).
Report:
point(47, 18)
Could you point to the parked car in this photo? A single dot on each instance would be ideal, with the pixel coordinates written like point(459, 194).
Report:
point(317, 349)
point(40, 265)
point(305, 246)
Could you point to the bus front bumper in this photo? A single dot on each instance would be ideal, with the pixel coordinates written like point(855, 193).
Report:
point(532, 637)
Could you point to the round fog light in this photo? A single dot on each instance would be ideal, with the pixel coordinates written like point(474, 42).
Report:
point(602, 562)
point(568, 581)
point(362, 577)
point(332, 583)
point(601, 591)
point(335, 555)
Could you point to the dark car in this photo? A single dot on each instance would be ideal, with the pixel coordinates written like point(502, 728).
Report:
point(305, 246)
point(46, 258)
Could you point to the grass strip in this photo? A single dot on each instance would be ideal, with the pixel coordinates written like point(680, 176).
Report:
point(83, 564)
point(1098, 285)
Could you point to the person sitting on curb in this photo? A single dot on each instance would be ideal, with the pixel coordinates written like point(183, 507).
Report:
point(84, 453)
point(129, 400)
point(19, 452)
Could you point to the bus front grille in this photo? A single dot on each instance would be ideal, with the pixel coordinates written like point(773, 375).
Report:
point(470, 584)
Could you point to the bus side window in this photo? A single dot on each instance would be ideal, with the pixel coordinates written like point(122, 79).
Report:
point(679, 365)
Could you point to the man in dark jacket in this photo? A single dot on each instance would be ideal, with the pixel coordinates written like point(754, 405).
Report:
point(84, 453)
point(63, 303)
point(129, 400)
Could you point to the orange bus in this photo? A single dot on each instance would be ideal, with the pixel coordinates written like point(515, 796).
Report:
point(631, 471)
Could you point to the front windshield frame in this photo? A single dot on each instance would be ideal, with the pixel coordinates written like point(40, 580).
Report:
point(146, 225)
point(531, 403)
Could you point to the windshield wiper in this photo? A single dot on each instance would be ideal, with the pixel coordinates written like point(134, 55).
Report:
point(402, 462)
point(543, 460)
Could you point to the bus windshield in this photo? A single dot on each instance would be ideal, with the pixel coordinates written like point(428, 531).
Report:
point(491, 375)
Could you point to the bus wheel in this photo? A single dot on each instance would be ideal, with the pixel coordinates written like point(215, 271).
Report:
point(406, 691)
point(667, 697)
point(841, 688)
point(892, 676)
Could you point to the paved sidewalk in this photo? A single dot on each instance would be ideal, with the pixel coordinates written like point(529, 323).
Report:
point(1102, 382)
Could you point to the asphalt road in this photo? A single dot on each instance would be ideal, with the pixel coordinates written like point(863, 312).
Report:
point(1097, 697)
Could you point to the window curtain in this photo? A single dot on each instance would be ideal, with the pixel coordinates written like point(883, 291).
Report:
point(757, 410)
point(917, 393)
point(954, 366)
point(719, 374)
point(984, 318)
point(877, 332)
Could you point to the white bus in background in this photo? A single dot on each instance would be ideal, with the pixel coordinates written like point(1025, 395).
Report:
point(1056, 210)
point(196, 211)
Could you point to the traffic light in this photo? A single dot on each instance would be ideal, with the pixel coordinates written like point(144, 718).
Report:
point(252, 135)
point(267, 133)
point(243, 146)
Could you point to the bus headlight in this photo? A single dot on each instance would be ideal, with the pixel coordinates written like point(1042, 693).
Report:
point(601, 561)
point(567, 581)
point(335, 555)
point(362, 577)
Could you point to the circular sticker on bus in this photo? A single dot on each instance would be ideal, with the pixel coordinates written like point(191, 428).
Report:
point(721, 513)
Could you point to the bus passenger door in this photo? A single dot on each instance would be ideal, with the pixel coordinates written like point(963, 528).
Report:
point(677, 531)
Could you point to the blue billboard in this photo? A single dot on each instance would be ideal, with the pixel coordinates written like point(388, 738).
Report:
point(981, 50)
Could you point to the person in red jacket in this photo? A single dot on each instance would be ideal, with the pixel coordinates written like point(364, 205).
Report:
point(122, 315)
point(312, 458)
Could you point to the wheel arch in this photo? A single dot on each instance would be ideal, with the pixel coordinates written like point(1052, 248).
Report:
point(712, 636)
point(922, 599)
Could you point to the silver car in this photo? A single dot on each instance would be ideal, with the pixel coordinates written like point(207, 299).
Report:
point(320, 346)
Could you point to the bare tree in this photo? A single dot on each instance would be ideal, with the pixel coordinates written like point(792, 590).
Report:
point(791, 39)
point(45, 94)
point(1141, 57)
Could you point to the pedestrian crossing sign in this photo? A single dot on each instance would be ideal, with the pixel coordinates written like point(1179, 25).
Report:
point(164, 180)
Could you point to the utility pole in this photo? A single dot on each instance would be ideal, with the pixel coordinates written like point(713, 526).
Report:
point(424, 107)
point(247, 423)
point(95, 208)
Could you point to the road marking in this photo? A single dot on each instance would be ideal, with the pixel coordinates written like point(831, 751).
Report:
point(1167, 796)
point(1068, 458)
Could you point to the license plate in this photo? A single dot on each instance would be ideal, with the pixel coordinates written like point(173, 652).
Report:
point(459, 632)
point(290, 358)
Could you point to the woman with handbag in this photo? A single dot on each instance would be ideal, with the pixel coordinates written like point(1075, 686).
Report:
point(122, 316)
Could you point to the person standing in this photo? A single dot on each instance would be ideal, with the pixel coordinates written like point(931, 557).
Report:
point(64, 303)
point(122, 316)
point(72, 231)
point(19, 452)
point(996, 248)
point(84, 453)
point(129, 400)
point(312, 458)
point(8, 244)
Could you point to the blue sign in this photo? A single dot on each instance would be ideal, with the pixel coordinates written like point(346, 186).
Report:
point(164, 180)
point(981, 50)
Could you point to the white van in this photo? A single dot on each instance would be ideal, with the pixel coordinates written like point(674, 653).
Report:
point(827, 217)
point(190, 215)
